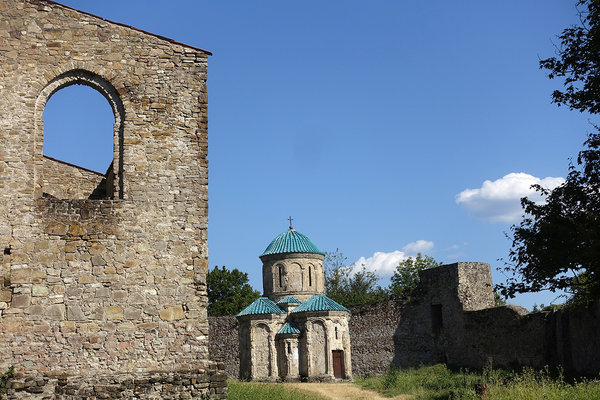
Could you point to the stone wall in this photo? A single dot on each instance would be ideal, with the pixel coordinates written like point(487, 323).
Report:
point(67, 181)
point(172, 385)
point(90, 288)
point(402, 334)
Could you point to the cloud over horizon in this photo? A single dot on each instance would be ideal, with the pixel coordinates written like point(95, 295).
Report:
point(500, 200)
point(384, 264)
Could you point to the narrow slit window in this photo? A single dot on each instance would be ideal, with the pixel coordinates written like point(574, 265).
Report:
point(310, 276)
point(280, 276)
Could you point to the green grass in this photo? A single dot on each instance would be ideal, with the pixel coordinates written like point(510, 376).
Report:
point(237, 390)
point(439, 383)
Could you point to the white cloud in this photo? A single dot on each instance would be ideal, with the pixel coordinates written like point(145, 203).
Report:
point(420, 246)
point(500, 200)
point(384, 264)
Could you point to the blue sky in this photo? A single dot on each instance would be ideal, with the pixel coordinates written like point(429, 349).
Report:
point(383, 128)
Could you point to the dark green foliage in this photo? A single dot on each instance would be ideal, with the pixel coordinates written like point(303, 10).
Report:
point(347, 287)
point(228, 291)
point(578, 61)
point(406, 276)
point(499, 300)
point(5, 377)
point(557, 245)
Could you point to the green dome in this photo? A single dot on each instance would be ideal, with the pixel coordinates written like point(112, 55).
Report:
point(291, 241)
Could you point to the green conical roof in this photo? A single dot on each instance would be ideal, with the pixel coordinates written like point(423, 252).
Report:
point(291, 241)
point(262, 305)
point(289, 300)
point(290, 328)
point(319, 302)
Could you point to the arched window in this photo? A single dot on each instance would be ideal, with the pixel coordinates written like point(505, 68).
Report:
point(310, 275)
point(79, 122)
point(78, 128)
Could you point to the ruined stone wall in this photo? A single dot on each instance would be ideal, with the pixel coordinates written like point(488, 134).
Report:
point(402, 334)
point(94, 287)
point(66, 181)
point(224, 343)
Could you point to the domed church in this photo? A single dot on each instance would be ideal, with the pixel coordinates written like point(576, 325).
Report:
point(294, 332)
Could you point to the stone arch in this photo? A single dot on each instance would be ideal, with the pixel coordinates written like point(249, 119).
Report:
point(294, 276)
point(110, 93)
point(262, 350)
point(318, 348)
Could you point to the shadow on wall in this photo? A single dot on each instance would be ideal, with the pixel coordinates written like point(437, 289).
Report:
point(453, 320)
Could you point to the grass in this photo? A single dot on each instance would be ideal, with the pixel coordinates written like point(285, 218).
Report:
point(237, 390)
point(440, 383)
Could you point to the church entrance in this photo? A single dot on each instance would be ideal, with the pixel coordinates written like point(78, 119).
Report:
point(338, 363)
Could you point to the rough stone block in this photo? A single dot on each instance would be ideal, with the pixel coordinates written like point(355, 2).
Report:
point(114, 313)
point(21, 300)
point(172, 313)
point(40, 291)
point(74, 313)
point(56, 312)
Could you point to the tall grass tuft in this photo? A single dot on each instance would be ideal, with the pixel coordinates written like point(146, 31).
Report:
point(440, 383)
point(237, 390)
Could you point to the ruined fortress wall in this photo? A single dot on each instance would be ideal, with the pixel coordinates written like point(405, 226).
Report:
point(94, 287)
point(66, 181)
point(402, 334)
point(224, 343)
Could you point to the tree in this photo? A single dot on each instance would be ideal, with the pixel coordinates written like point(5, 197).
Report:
point(406, 276)
point(228, 291)
point(349, 287)
point(557, 245)
point(578, 61)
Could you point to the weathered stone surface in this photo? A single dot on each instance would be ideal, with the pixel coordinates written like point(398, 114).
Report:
point(85, 246)
point(172, 313)
point(40, 291)
point(114, 313)
point(21, 300)
point(74, 313)
point(55, 312)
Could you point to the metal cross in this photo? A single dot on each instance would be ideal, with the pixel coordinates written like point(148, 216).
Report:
point(291, 219)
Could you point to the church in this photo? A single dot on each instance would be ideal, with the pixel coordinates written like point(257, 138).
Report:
point(294, 332)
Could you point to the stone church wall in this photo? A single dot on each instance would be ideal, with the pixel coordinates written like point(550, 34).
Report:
point(402, 334)
point(66, 181)
point(104, 293)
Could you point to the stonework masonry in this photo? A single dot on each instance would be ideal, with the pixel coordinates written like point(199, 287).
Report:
point(103, 292)
point(452, 319)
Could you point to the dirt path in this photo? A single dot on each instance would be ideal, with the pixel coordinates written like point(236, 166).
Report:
point(339, 391)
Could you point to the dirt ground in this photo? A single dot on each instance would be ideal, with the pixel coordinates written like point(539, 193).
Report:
point(339, 391)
